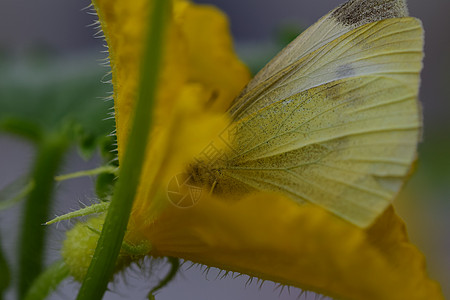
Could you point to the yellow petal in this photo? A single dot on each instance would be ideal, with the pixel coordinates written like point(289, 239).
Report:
point(200, 77)
point(263, 235)
point(271, 237)
point(124, 26)
point(198, 49)
point(211, 57)
point(173, 147)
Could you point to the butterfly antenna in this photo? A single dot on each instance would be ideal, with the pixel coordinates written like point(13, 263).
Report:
point(212, 187)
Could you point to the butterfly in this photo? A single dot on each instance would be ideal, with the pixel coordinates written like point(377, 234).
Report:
point(332, 120)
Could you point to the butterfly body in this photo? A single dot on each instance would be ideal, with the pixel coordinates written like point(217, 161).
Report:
point(333, 120)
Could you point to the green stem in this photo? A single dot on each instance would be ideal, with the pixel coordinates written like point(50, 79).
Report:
point(110, 242)
point(48, 281)
point(31, 247)
point(92, 209)
point(5, 275)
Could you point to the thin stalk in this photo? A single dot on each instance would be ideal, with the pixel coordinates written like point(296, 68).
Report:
point(32, 241)
point(103, 263)
point(93, 172)
point(174, 267)
point(92, 209)
point(48, 281)
point(5, 274)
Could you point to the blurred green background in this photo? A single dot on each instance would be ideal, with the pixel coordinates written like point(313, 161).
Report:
point(51, 73)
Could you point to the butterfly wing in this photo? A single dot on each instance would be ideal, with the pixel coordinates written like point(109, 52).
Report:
point(337, 127)
point(336, 23)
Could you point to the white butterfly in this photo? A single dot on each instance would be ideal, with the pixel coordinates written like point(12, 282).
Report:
point(333, 119)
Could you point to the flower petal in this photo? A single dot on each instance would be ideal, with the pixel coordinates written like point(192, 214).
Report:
point(123, 24)
point(198, 50)
point(263, 235)
point(271, 237)
point(173, 147)
point(200, 77)
point(211, 57)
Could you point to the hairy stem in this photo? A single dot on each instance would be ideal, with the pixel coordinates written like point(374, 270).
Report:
point(110, 242)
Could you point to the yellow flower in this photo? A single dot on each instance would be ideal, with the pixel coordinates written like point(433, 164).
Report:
point(263, 235)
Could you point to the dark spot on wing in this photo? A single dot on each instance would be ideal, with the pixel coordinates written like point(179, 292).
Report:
point(360, 12)
point(345, 71)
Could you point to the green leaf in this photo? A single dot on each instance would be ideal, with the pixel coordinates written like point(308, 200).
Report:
point(21, 127)
point(37, 99)
point(104, 186)
point(287, 32)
